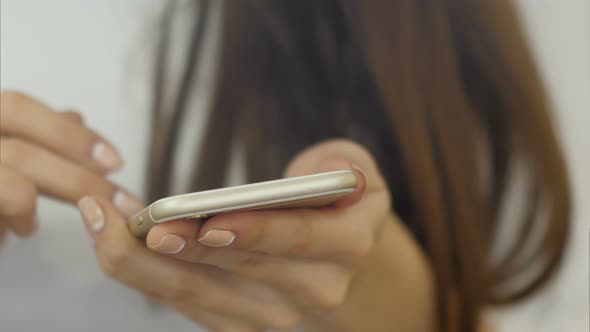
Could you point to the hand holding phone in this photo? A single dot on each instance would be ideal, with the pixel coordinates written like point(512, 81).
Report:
point(249, 270)
point(297, 192)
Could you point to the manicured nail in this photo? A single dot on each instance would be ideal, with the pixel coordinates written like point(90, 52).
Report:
point(92, 214)
point(127, 204)
point(169, 244)
point(217, 238)
point(106, 156)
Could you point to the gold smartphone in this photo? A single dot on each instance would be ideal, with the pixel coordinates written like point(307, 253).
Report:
point(308, 191)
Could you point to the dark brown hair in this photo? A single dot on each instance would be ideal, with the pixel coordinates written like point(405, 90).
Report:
point(442, 93)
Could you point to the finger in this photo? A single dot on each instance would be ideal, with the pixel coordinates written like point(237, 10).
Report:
point(310, 284)
point(31, 120)
point(179, 233)
point(339, 234)
point(304, 233)
point(124, 258)
point(329, 155)
point(344, 232)
point(60, 178)
point(285, 316)
point(73, 116)
point(18, 201)
point(3, 232)
point(215, 321)
point(206, 318)
point(337, 164)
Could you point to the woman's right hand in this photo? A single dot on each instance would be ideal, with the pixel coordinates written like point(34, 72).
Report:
point(51, 153)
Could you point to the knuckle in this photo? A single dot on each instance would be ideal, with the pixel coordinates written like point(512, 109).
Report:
point(334, 295)
point(153, 296)
point(200, 253)
point(259, 231)
point(361, 243)
point(20, 208)
point(27, 195)
point(250, 262)
point(23, 227)
point(23, 202)
point(330, 300)
point(118, 258)
point(106, 266)
point(180, 294)
point(65, 128)
point(12, 100)
point(324, 295)
point(114, 259)
point(362, 248)
point(383, 200)
point(71, 132)
point(14, 151)
point(192, 252)
point(286, 320)
point(231, 328)
point(86, 183)
point(182, 290)
point(302, 240)
point(327, 289)
point(3, 232)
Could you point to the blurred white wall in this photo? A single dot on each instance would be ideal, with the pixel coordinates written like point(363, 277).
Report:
point(88, 55)
point(560, 37)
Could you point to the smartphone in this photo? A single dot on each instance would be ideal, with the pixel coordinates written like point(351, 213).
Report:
point(310, 191)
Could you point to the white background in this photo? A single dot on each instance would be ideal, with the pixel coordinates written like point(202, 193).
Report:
point(91, 56)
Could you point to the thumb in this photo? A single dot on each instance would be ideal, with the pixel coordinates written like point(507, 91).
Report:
point(106, 226)
point(336, 155)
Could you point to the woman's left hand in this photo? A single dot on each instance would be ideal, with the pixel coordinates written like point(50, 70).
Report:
point(348, 267)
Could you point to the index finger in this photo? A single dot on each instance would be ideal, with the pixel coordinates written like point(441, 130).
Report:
point(29, 119)
point(341, 232)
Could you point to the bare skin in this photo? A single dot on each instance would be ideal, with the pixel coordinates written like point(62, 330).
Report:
point(349, 267)
point(50, 153)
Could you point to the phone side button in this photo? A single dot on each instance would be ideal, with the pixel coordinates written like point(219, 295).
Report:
point(140, 225)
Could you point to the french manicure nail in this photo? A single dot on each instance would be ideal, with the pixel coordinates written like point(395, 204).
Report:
point(106, 156)
point(217, 238)
point(169, 244)
point(127, 204)
point(92, 214)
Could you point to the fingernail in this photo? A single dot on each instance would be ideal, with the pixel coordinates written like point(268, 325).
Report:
point(127, 204)
point(92, 214)
point(106, 156)
point(169, 244)
point(217, 238)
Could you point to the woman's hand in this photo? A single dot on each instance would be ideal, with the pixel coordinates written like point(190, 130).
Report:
point(51, 153)
point(348, 267)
